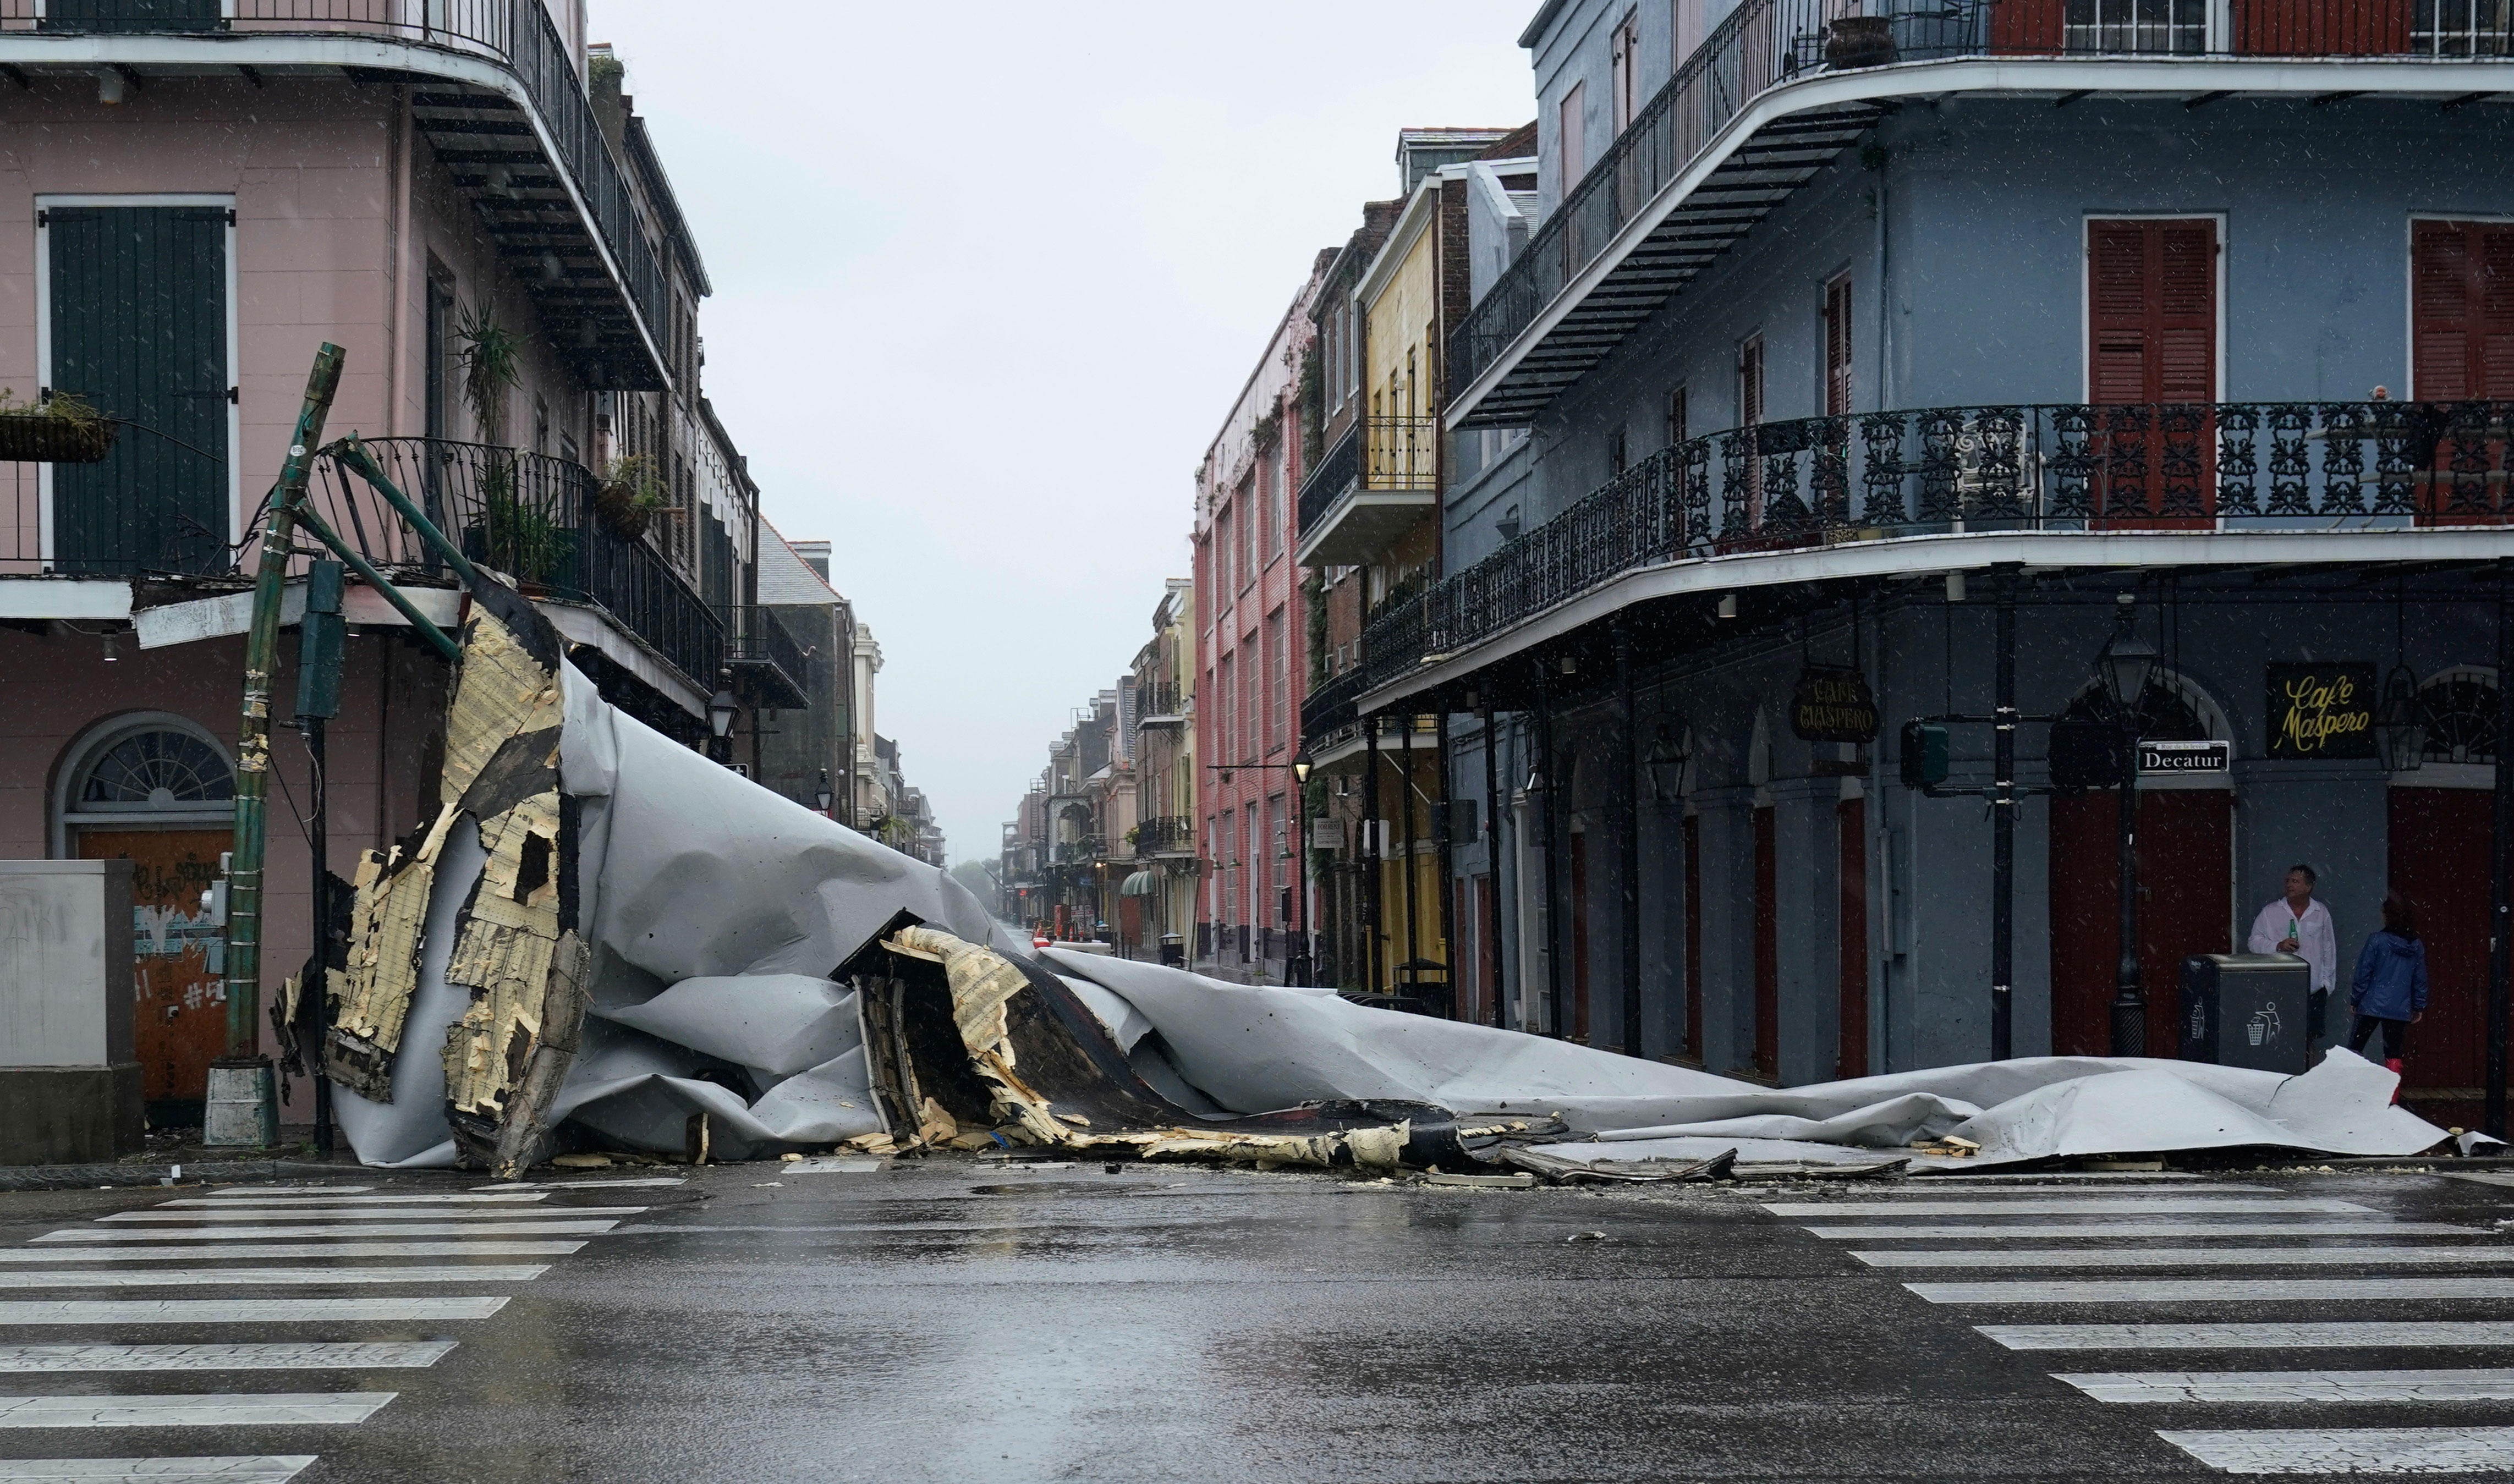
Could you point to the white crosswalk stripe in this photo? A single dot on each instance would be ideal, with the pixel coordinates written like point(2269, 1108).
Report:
point(310, 1355)
point(210, 1409)
point(244, 1310)
point(287, 1214)
point(226, 1233)
point(2210, 1289)
point(269, 1469)
point(422, 1238)
point(2326, 1335)
point(1930, 1189)
point(2253, 1386)
point(447, 1198)
point(2350, 1450)
point(189, 1277)
point(2363, 1226)
point(2090, 1204)
point(2193, 1257)
point(491, 1248)
point(2127, 1222)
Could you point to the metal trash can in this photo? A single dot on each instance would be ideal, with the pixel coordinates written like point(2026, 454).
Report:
point(2247, 1010)
point(1173, 950)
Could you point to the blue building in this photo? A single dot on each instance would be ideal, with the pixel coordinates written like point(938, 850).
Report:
point(1839, 341)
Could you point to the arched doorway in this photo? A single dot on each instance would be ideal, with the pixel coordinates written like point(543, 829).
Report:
point(159, 791)
point(2186, 850)
point(2437, 834)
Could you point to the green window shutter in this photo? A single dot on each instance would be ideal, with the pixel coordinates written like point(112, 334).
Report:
point(139, 330)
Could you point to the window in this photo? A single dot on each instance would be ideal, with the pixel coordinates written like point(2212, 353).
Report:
point(2134, 25)
point(1252, 878)
point(1688, 28)
point(1836, 346)
point(1572, 139)
point(2152, 310)
point(1278, 669)
point(1230, 698)
point(439, 350)
point(2462, 310)
point(1750, 382)
point(1676, 419)
point(2462, 28)
point(541, 426)
point(1618, 451)
point(1281, 842)
point(1624, 67)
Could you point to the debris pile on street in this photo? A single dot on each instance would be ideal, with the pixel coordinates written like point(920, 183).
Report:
point(621, 945)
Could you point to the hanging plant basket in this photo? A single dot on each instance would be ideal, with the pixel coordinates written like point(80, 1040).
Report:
point(58, 430)
point(630, 497)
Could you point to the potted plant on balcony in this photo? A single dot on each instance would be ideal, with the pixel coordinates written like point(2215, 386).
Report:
point(58, 429)
point(631, 494)
point(1859, 41)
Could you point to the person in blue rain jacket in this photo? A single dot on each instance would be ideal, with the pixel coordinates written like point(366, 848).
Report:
point(2390, 991)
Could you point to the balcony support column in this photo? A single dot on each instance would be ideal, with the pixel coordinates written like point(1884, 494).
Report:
point(2501, 850)
point(1543, 777)
point(1372, 951)
point(1492, 870)
point(2003, 831)
point(1445, 834)
point(1628, 841)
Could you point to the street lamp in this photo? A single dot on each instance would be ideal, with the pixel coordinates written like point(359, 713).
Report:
point(722, 707)
point(2126, 665)
point(1667, 755)
point(823, 795)
point(2400, 735)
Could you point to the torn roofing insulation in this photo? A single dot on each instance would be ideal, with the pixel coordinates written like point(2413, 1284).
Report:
point(603, 940)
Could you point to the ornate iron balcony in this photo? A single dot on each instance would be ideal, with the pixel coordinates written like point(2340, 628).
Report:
point(516, 34)
point(1329, 478)
point(1764, 44)
point(773, 669)
point(532, 517)
point(1165, 836)
point(1158, 704)
point(1878, 477)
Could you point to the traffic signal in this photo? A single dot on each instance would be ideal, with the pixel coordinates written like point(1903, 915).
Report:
point(2086, 753)
point(1924, 754)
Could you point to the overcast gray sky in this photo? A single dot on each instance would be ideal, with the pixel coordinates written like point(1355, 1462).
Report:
point(988, 277)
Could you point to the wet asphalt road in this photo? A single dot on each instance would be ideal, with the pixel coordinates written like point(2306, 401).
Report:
point(955, 1320)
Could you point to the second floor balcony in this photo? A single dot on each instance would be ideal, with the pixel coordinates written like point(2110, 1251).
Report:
point(1374, 483)
point(495, 89)
point(1165, 836)
point(1931, 490)
point(1782, 88)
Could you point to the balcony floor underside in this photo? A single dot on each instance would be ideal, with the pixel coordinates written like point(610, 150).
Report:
point(1931, 556)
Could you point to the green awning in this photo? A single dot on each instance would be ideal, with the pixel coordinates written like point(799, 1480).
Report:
point(1140, 884)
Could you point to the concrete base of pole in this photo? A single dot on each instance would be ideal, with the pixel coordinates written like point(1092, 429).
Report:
point(243, 1107)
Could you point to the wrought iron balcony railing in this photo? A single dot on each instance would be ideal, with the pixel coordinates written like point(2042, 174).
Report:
point(532, 517)
point(762, 654)
point(2068, 468)
point(1764, 44)
point(1400, 453)
point(519, 34)
point(1080, 852)
point(1329, 478)
point(1157, 704)
point(1165, 836)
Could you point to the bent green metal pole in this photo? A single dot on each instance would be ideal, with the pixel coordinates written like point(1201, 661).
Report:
point(253, 740)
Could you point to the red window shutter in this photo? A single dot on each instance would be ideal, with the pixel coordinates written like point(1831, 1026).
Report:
point(1836, 348)
point(1750, 382)
point(2031, 27)
point(2152, 312)
point(2495, 369)
point(2186, 331)
point(2439, 312)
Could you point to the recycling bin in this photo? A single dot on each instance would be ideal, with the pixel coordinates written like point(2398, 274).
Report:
point(2247, 1010)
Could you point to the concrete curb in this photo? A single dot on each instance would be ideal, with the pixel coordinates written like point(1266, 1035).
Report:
point(89, 1177)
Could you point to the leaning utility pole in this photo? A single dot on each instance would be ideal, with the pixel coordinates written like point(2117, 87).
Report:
point(243, 1107)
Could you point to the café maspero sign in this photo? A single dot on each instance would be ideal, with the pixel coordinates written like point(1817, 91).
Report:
point(2322, 710)
point(1833, 705)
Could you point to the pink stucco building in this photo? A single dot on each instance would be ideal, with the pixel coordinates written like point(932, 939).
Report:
point(1252, 645)
point(199, 193)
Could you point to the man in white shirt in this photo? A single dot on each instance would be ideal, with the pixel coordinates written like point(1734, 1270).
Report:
point(2300, 925)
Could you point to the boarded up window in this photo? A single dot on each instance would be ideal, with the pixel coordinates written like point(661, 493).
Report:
point(2462, 311)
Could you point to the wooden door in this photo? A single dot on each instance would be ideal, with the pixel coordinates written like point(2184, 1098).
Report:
point(1851, 834)
point(1768, 946)
point(2152, 360)
point(2438, 843)
point(1692, 935)
point(178, 957)
point(2185, 906)
point(139, 308)
point(1580, 936)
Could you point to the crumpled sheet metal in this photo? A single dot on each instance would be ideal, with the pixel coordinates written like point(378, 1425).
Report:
point(1257, 1046)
